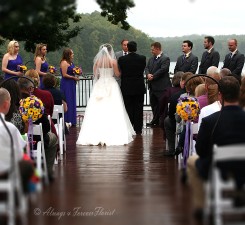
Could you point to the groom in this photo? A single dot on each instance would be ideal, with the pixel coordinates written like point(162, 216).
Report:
point(133, 89)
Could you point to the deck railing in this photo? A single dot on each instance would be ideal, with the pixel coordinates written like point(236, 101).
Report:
point(84, 88)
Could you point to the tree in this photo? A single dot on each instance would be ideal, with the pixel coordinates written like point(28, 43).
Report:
point(116, 11)
point(48, 21)
point(44, 21)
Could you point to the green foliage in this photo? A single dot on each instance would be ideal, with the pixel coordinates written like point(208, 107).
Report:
point(172, 45)
point(39, 21)
point(116, 11)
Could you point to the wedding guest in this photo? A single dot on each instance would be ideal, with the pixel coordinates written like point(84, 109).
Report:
point(132, 68)
point(210, 57)
point(242, 93)
point(165, 97)
point(230, 129)
point(11, 60)
point(45, 96)
point(234, 61)
point(50, 138)
point(157, 74)
point(26, 167)
point(187, 62)
point(13, 114)
point(41, 62)
point(49, 83)
point(224, 72)
point(68, 85)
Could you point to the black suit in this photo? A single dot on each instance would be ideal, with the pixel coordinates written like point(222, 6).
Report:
point(159, 68)
point(229, 130)
point(133, 87)
point(188, 64)
point(209, 59)
point(234, 64)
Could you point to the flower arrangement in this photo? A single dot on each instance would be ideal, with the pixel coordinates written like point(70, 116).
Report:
point(188, 108)
point(52, 69)
point(22, 68)
point(31, 108)
point(77, 70)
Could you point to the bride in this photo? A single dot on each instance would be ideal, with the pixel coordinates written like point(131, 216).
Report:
point(106, 121)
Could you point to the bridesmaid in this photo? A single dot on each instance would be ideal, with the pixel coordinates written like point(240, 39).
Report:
point(68, 85)
point(40, 62)
point(11, 61)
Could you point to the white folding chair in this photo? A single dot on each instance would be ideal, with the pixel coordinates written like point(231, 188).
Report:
point(216, 185)
point(39, 153)
point(60, 126)
point(12, 186)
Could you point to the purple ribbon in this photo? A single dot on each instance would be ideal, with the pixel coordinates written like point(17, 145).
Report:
point(30, 135)
point(187, 144)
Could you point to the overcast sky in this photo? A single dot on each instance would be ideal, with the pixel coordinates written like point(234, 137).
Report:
point(170, 18)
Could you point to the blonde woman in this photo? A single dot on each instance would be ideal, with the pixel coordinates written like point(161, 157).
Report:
point(41, 62)
point(11, 60)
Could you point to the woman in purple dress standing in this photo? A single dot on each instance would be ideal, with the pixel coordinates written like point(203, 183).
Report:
point(68, 85)
point(11, 61)
point(40, 62)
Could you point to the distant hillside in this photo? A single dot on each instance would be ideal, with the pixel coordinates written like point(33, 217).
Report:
point(172, 45)
point(97, 30)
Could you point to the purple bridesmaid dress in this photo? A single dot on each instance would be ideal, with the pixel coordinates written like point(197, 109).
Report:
point(68, 87)
point(12, 65)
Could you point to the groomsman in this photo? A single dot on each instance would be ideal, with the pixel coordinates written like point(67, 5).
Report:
point(234, 61)
point(157, 74)
point(187, 62)
point(133, 86)
point(118, 54)
point(210, 57)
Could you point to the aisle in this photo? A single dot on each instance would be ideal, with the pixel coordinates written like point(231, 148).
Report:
point(123, 185)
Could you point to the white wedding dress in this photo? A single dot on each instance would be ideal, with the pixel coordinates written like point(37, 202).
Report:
point(106, 121)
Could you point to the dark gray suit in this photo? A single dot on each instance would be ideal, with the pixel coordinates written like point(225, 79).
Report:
point(234, 64)
point(209, 59)
point(160, 70)
point(189, 64)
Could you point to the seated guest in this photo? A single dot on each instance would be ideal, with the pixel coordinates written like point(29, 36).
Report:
point(200, 90)
point(164, 100)
point(230, 129)
point(170, 122)
point(13, 114)
point(49, 83)
point(242, 93)
point(45, 96)
point(26, 167)
point(50, 139)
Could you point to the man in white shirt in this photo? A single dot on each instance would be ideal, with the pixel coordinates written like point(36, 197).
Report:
point(26, 168)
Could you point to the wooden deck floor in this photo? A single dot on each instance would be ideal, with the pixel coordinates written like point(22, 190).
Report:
point(123, 185)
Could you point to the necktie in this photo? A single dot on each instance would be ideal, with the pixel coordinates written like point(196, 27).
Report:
point(124, 53)
point(230, 56)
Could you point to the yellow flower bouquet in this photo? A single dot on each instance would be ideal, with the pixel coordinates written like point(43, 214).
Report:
point(188, 108)
point(77, 70)
point(52, 69)
point(22, 68)
point(31, 108)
